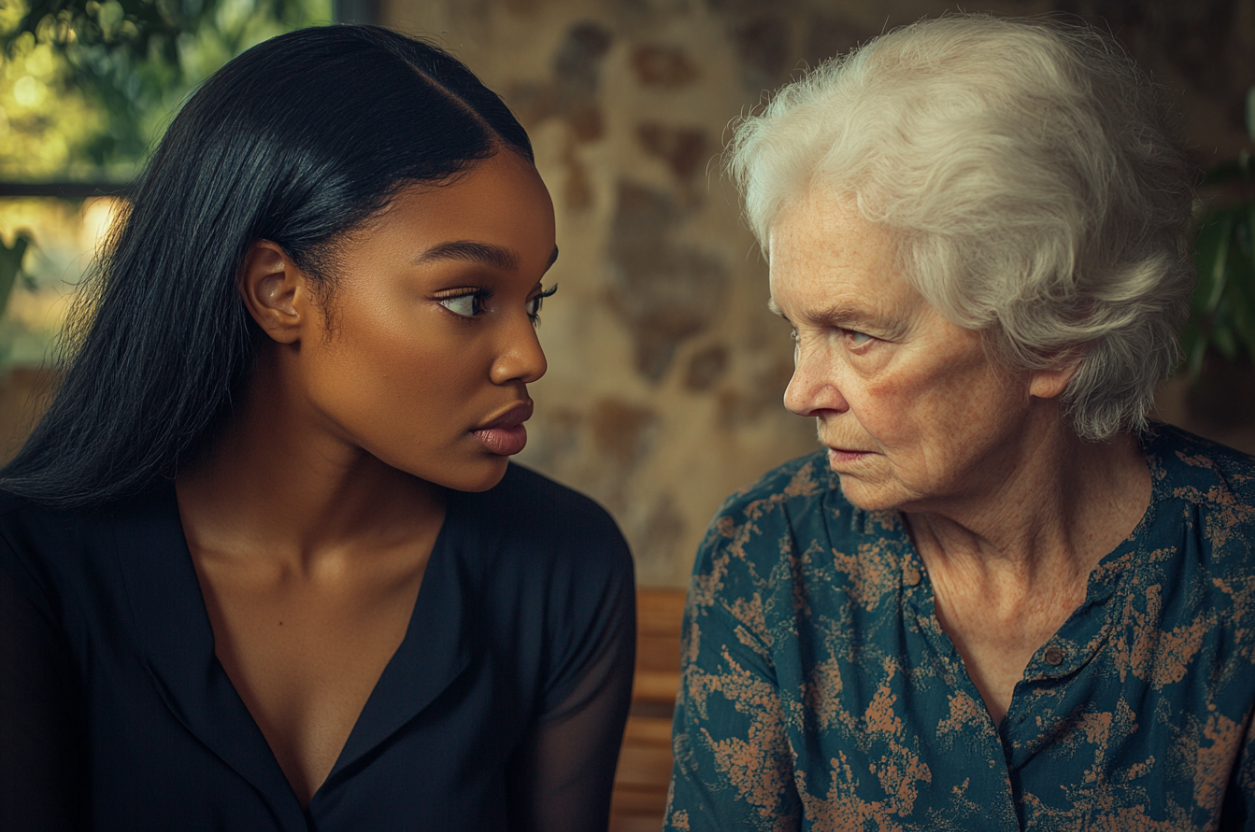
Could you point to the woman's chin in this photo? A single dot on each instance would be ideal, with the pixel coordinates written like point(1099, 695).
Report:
point(869, 496)
point(481, 475)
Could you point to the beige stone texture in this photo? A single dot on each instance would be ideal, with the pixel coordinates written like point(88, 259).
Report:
point(666, 370)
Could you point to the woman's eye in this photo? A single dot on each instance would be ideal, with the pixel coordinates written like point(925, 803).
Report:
point(534, 303)
point(468, 306)
point(858, 338)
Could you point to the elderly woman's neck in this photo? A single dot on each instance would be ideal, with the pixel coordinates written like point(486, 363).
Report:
point(1063, 503)
point(1007, 571)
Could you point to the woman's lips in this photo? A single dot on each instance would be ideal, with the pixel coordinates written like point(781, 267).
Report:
point(505, 434)
point(837, 456)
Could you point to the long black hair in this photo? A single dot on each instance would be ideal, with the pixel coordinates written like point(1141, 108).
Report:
point(296, 141)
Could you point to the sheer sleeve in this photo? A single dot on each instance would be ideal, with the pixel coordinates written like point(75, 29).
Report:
point(563, 775)
point(42, 760)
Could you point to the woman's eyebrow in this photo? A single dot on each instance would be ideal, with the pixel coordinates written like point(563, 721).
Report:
point(488, 253)
point(838, 313)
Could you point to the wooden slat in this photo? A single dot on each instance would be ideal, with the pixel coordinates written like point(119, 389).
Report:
point(659, 611)
point(658, 652)
point(630, 800)
point(642, 823)
point(644, 730)
point(644, 765)
point(644, 772)
point(652, 686)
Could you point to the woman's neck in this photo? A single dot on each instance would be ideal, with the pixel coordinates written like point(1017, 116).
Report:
point(1009, 570)
point(278, 482)
point(1063, 505)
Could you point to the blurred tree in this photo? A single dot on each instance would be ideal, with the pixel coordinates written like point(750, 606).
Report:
point(86, 86)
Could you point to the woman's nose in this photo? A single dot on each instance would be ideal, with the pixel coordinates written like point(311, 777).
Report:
point(520, 358)
point(813, 386)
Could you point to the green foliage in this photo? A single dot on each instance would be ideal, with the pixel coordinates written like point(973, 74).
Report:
point(1222, 314)
point(133, 61)
point(10, 270)
point(11, 265)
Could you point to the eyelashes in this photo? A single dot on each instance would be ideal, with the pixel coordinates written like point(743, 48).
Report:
point(466, 305)
point(857, 339)
point(534, 304)
point(469, 303)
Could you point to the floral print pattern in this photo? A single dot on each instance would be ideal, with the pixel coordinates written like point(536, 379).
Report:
point(819, 692)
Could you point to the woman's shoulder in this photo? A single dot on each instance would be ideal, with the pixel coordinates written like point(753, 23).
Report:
point(51, 552)
point(547, 505)
point(802, 496)
point(1214, 478)
point(794, 524)
point(798, 484)
point(31, 530)
point(528, 521)
point(30, 520)
point(1204, 494)
point(1174, 446)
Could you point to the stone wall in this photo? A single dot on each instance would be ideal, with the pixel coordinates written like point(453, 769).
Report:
point(666, 370)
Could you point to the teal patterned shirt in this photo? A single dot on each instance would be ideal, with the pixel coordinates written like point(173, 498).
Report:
point(819, 692)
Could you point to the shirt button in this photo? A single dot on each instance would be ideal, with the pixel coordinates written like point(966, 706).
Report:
point(910, 575)
point(1054, 656)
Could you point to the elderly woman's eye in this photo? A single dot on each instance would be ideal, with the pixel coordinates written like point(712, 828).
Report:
point(859, 338)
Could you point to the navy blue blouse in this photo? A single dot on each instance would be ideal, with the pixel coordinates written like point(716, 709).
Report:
point(502, 708)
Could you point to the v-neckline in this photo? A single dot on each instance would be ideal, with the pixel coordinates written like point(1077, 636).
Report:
point(176, 640)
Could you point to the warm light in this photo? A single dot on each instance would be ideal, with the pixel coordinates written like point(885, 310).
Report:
point(98, 217)
point(28, 91)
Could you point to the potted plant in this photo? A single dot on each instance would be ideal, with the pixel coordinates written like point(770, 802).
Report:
point(1219, 338)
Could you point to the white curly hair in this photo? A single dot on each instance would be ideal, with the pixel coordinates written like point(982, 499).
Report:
point(1031, 178)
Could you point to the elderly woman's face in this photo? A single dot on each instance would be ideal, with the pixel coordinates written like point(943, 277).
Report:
point(912, 411)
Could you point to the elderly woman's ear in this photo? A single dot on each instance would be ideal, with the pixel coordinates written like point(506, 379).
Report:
point(1050, 382)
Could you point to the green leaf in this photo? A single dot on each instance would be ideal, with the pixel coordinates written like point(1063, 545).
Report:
point(1250, 233)
point(1193, 344)
point(1224, 172)
point(11, 265)
point(1211, 251)
point(1241, 279)
point(1224, 340)
point(1250, 113)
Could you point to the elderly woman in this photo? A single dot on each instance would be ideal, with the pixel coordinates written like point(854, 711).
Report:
point(997, 597)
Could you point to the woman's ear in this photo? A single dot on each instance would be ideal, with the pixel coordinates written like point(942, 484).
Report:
point(275, 291)
point(1051, 381)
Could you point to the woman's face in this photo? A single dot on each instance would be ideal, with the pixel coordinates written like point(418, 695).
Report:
point(427, 344)
point(912, 411)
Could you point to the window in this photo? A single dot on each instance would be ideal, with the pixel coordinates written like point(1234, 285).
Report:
point(86, 89)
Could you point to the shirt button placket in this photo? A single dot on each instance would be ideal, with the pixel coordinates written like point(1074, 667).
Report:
point(910, 575)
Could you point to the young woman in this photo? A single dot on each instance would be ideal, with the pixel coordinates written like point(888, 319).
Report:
point(264, 564)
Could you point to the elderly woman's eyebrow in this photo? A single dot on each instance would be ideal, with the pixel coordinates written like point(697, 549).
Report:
point(839, 313)
point(497, 256)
